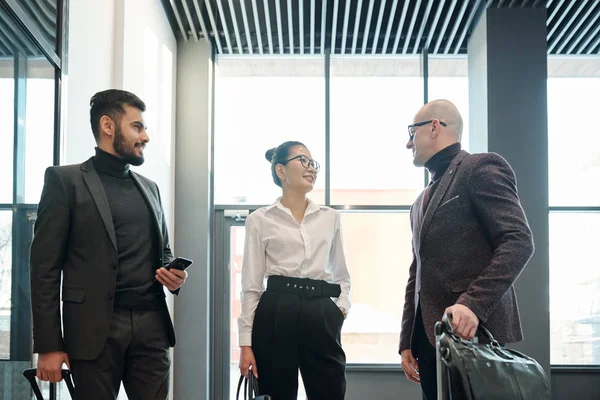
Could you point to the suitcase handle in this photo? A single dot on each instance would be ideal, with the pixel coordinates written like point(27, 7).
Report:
point(66, 375)
point(447, 327)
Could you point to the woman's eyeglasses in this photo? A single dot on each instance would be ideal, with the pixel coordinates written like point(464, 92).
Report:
point(306, 162)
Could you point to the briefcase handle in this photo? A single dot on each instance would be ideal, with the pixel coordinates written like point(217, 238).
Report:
point(66, 375)
point(447, 326)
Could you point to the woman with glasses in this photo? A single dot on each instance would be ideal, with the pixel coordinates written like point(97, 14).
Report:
point(293, 320)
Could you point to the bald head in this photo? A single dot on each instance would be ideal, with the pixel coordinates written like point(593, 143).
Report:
point(446, 112)
point(437, 125)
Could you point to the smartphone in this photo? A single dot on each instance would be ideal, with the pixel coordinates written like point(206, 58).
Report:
point(179, 263)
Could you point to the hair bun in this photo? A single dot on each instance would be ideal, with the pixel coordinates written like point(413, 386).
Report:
point(270, 153)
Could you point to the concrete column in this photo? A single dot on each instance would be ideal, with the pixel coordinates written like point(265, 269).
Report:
point(508, 115)
point(192, 217)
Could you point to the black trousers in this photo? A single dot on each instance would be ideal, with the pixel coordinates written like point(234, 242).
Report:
point(136, 353)
point(424, 352)
point(292, 332)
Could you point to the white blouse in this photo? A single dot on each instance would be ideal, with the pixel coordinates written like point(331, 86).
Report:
point(276, 244)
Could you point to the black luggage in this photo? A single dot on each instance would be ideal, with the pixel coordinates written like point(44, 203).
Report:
point(468, 370)
point(66, 375)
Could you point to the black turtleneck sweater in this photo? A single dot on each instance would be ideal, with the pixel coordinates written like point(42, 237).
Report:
point(438, 164)
point(135, 230)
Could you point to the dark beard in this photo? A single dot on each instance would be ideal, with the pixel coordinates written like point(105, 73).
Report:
point(121, 149)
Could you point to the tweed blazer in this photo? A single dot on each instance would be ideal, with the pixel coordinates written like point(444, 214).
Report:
point(469, 247)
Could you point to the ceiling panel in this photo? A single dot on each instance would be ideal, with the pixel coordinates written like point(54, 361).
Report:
point(368, 26)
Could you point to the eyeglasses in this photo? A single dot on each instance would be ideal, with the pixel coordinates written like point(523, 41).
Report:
point(412, 130)
point(306, 162)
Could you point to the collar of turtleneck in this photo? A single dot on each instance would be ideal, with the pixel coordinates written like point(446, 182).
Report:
point(109, 164)
point(439, 163)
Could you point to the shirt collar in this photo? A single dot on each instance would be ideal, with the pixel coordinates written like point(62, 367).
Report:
point(311, 208)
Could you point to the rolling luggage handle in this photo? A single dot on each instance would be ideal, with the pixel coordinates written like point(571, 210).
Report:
point(446, 326)
point(66, 375)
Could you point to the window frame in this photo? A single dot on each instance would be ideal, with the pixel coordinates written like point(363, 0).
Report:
point(221, 213)
point(568, 67)
point(24, 213)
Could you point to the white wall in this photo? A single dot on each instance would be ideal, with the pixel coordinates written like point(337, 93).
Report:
point(90, 69)
point(124, 44)
point(128, 44)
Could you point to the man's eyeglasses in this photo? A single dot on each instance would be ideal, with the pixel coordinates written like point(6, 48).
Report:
point(411, 128)
point(306, 162)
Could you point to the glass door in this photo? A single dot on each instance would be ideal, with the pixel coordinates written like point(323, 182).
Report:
point(237, 234)
point(230, 235)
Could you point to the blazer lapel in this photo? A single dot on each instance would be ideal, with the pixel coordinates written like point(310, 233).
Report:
point(94, 184)
point(439, 193)
point(150, 200)
point(417, 222)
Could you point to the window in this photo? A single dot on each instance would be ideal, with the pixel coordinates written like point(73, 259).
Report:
point(39, 127)
point(372, 103)
point(7, 113)
point(574, 300)
point(378, 264)
point(449, 79)
point(259, 104)
point(574, 220)
point(5, 281)
point(29, 125)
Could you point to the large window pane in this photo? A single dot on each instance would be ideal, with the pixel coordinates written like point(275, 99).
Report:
point(7, 128)
point(39, 126)
point(574, 288)
point(259, 104)
point(573, 145)
point(378, 264)
point(449, 79)
point(372, 102)
point(5, 281)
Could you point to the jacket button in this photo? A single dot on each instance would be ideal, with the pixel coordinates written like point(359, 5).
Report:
point(111, 295)
point(114, 265)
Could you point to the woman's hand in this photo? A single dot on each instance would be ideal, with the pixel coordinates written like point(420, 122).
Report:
point(248, 361)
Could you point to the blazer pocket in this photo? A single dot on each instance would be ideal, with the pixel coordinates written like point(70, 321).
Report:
point(449, 201)
point(461, 285)
point(73, 295)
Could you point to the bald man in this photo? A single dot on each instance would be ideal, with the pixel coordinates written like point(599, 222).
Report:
point(471, 240)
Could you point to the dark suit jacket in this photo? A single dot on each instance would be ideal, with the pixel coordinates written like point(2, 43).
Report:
point(74, 234)
point(469, 248)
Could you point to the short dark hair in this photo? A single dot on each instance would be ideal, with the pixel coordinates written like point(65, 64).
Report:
point(110, 103)
point(279, 155)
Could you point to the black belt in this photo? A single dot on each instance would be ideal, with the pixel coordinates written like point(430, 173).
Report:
point(303, 287)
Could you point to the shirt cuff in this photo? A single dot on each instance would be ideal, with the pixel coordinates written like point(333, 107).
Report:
point(245, 339)
point(343, 302)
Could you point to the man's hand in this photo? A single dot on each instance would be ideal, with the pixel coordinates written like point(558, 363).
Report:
point(173, 279)
point(49, 366)
point(464, 321)
point(410, 366)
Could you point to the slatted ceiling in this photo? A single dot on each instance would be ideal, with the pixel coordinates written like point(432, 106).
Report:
point(12, 40)
point(239, 27)
point(11, 37)
point(575, 28)
point(43, 14)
